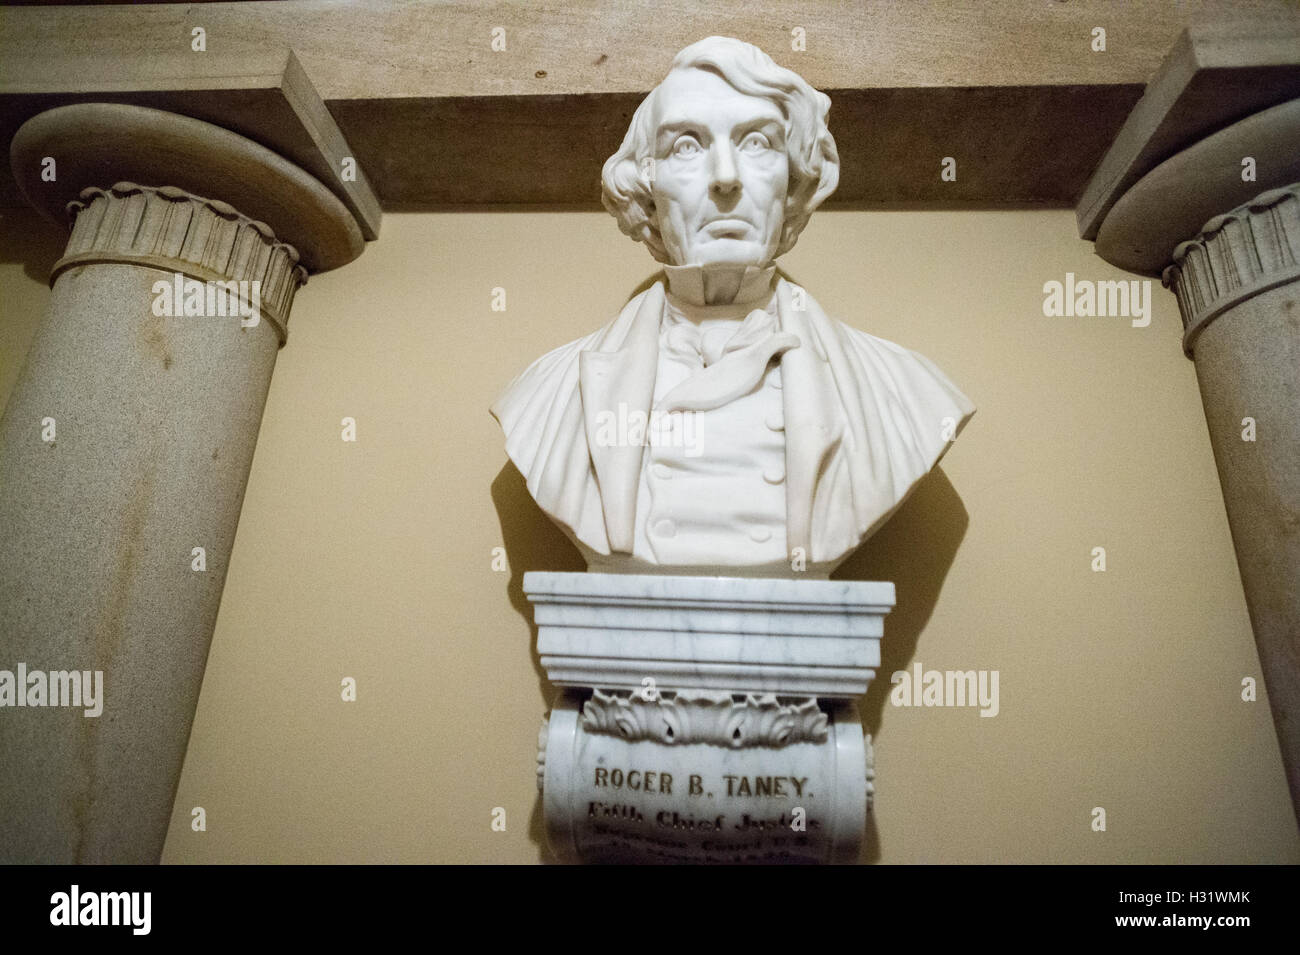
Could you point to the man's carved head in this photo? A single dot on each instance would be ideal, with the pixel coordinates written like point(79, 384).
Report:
point(724, 161)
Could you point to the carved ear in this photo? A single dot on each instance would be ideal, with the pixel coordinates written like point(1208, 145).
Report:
point(829, 177)
point(799, 206)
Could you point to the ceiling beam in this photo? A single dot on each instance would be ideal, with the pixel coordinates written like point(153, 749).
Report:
point(1012, 91)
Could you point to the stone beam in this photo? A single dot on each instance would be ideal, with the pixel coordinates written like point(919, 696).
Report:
point(262, 93)
point(1215, 75)
point(418, 89)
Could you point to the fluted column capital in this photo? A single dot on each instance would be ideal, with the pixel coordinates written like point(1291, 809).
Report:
point(173, 230)
point(57, 154)
point(1236, 255)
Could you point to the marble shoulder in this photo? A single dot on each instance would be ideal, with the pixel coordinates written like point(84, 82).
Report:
point(907, 369)
point(548, 374)
point(540, 386)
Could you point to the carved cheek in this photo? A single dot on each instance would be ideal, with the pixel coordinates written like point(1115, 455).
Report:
point(675, 190)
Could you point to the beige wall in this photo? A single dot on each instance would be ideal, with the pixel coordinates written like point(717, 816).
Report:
point(373, 560)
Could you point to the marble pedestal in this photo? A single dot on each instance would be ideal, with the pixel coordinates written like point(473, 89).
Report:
point(706, 719)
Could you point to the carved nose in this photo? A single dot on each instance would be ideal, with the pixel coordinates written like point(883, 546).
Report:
point(725, 177)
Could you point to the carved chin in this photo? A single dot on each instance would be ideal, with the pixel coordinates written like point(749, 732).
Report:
point(727, 251)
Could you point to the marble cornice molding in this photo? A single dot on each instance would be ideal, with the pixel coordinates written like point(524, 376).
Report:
point(1236, 255)
point(789, 637)
point(167, 228)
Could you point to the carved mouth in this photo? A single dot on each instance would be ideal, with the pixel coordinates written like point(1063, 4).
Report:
point(728, 227)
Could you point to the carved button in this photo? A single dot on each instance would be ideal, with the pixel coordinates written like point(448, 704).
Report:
point(775, 422)
point(662, 471)
point(665, 528)
point(760, 534)
point(773, 475)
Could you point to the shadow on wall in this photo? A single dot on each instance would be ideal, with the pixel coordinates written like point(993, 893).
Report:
point(27, 239)
point(34, 241)
point(532, 542)
point(914, 549)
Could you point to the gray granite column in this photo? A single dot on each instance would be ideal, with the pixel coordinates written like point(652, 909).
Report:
point(1219, 221)
point(125, 446)
point(1238, 288)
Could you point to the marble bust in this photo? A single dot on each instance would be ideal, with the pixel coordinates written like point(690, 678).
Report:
point(722, 423)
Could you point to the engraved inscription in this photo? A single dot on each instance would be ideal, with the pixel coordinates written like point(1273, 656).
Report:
point(635, 779)
point(635, 822)
point(657, 781)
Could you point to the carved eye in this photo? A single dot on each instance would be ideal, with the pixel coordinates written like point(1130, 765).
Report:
point(755, 142)
point(686, 147)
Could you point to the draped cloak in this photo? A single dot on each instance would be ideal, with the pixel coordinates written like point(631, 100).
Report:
point(865, 420)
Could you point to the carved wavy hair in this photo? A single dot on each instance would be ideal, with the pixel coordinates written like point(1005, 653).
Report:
point(627, 191)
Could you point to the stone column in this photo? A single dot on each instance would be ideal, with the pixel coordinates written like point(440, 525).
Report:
point(126, 446)
point(1238, 287)
point(1219, 220)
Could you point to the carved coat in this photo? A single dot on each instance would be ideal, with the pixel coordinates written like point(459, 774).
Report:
point(865, 420)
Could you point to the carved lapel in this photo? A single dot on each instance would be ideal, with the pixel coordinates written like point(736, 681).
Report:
point(813, 420)
point(617, 389)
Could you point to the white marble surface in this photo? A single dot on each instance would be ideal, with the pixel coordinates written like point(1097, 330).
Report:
point(788, 637)
point(714, 452)
point(723, 422)
point(609, 800)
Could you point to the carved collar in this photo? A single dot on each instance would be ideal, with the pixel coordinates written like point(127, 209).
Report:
point(686, 285)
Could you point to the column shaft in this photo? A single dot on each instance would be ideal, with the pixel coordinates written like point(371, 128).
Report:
point(1238, 286)
point(155, 419)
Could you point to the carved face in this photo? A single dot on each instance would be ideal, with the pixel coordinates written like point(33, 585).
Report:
point(721, 171)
